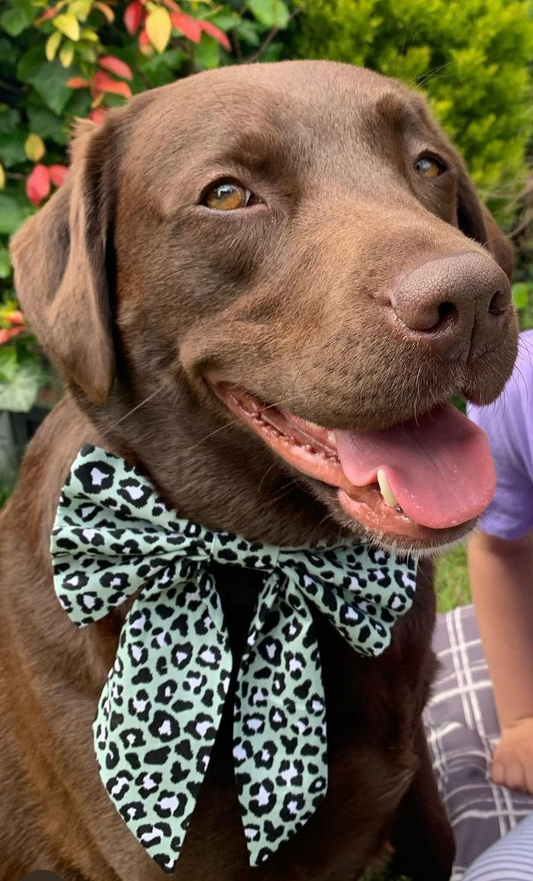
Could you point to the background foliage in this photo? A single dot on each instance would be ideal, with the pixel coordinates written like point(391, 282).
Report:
point(471, 57)
point(75, 58)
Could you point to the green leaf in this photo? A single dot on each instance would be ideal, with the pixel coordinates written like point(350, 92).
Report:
point(46, 124)
point(12, 149)
point(226, 20)
point(20, 394)
point(9, 53)
point(17, 19)
point(30, 64)
point(247, 31)
point(207, 53)
point(5, 263)
point(8, 363)
point(9, 120)
point(50, 83)
point(271, 13)
point(162, 69)
point(79, 104)
point(12, 214)
point(521, 293)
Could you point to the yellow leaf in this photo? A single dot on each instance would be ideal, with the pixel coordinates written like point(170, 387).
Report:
point(81, 9)
point(89, 35)
point(159, 28)
point(2, 177)
point(68, 24)
point(106, 11)
point(52, 45)
point(34, 147)
point(66, 53)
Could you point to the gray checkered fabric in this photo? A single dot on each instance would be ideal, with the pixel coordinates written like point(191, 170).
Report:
point(462, 727)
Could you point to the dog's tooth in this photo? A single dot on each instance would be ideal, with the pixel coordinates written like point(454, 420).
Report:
point(332, 439)
point(388, 496)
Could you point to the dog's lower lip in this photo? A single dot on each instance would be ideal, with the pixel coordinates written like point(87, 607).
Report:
point(310, 449)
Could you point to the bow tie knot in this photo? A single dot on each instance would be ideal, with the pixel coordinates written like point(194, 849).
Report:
point(161, 708)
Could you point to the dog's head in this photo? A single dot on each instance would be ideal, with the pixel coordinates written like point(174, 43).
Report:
point(263, 283)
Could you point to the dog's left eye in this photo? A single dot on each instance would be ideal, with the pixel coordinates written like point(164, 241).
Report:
point(427, 166)
point(227, 195)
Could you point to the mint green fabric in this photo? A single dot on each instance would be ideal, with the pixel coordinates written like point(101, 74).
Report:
point(160, 710)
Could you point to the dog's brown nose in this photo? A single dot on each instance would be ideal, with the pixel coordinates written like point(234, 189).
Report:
point(456, 304)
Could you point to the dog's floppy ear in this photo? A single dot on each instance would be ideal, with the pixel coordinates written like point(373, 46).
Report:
point(477, 222)
point(62, 266)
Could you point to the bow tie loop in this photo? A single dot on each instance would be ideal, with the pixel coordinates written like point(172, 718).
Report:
point(114, 538)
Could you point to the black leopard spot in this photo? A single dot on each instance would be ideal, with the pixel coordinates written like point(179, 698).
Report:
point(134, 810)
point(164, 726)
point(293, 805)
point(181, 655)
point(119, 786)
point(201, 727)
point(148, 782)
point(277, 718)
point(262, 797)
point(170, 804)
point(179, 772)
point(138, 654)
point(157, 756)
point(112, 757)
point(183, 748)
point(95, 476)
point(132, 738)
point(209, 656)
point(142, 677)
point(270, 650)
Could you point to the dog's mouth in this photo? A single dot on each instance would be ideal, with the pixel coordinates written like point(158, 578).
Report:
point(425, 479)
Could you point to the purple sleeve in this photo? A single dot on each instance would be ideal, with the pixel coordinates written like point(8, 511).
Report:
point(508, 423)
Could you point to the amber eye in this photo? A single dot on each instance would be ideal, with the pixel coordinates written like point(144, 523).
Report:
point(227, 195)
point(428, 167)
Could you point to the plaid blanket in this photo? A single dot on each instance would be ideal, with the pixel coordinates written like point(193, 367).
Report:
point(462, 727)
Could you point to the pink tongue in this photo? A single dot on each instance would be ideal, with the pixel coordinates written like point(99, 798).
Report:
point(439, 467)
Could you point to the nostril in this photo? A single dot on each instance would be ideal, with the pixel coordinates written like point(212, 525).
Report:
point(446, 312)
point(499, 304)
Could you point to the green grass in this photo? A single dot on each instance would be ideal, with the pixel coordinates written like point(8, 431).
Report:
point(451, 581)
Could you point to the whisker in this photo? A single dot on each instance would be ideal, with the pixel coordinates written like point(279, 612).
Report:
point(138, 406)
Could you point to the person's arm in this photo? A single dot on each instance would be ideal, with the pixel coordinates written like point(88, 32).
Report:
point(501, 578)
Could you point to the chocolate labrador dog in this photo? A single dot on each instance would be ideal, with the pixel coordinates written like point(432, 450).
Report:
point(261, 285)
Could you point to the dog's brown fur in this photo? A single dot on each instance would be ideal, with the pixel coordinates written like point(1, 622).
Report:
point(136, 292)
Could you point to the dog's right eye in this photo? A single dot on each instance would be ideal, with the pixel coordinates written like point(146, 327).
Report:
point(226, 195)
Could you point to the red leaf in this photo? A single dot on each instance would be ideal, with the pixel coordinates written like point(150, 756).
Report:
point(58, 174)
point(104, 83)
point(187, 25)
point(6, 335)
point(38, 184)
point(144, 39)
point(116, 66)
point(76, 82)
point(50, 13)
point(171, 5)
point(133, 16)
point(215, 32)
point(97, 115)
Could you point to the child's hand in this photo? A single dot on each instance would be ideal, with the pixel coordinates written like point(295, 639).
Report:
point(512, 760)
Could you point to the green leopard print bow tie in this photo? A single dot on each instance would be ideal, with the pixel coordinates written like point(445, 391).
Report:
point(160, 710)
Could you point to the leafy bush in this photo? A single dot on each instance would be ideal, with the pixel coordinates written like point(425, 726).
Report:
point(471, 57)
point(75, 58)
